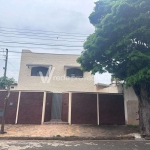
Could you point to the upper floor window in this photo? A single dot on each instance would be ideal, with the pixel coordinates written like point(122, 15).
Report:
point(74, 73)
point(35, 71)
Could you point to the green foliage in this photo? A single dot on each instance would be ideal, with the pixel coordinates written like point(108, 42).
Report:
point(5, 82)
point(133, 126)
point(120, 43)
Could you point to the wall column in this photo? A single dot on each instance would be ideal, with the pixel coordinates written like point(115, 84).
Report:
point(97, 109)
point(17, 112)
point(126, 97)
point(69, 110)
point(43, 109)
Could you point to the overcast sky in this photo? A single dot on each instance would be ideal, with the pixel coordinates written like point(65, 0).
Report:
point(44, 16)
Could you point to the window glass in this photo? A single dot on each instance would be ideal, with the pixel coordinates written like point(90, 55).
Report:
point(74, 73)
point(35, 71)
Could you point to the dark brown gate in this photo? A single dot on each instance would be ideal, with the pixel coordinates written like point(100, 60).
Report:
point(111, 109)
point(84, 108)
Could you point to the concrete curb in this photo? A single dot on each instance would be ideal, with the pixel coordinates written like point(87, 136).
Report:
point(72, 138)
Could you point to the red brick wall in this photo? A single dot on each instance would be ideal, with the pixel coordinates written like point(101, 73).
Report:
point(30, 110)
point(65, 105)
point(111, 109)
point(48, 107)
point(11, 106)
point(84, 108)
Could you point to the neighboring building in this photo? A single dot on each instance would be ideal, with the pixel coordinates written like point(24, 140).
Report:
point(61, 73)
point(13, 86)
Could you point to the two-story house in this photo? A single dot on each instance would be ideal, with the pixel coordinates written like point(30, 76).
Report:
point(56, 73)
point(52, 87)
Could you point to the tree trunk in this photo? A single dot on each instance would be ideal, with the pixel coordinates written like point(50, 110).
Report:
point(4, 113)
point(144, 113)
point(143, 93)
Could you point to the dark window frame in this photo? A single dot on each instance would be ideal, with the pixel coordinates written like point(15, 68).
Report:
point(35, 71)
point(74, 73)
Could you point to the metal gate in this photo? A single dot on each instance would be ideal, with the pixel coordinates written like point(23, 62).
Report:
point(111, 109)
point(56, 106)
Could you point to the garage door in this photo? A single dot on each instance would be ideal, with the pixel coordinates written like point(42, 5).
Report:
point(111, 109)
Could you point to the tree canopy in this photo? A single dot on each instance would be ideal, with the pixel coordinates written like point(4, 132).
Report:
point(120, 43)
point(5, 82)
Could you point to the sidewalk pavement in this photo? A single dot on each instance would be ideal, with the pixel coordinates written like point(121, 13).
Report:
point(68, 132)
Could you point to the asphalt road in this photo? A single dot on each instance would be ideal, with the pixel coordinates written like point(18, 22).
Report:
point(77, 145)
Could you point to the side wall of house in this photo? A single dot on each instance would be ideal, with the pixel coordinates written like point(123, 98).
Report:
point(131, 107)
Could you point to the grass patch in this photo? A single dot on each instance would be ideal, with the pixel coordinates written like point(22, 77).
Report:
point(133, 126)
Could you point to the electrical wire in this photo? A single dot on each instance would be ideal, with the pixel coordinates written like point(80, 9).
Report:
point(13, 66)
point(42, 31)
point(52, 39)
point(35, 33)
point(35, 53)
point(56, 37)
point(41, 48)
point(13, 42)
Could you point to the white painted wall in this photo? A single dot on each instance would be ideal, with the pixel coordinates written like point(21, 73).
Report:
point(130, 98)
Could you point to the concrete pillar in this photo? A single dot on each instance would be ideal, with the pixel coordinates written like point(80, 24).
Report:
point(69, 110)
point(18, 104)
point(97, 109)
point(43, 109)
point(126, 96)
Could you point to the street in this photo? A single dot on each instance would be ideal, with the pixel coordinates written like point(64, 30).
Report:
point(74, 145)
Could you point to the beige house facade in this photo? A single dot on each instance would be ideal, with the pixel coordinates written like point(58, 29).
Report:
point(66, 87)
point(56, 79)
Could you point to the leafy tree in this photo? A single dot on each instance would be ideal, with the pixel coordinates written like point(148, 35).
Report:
point(5, 82)
point(121, 46)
